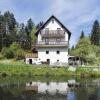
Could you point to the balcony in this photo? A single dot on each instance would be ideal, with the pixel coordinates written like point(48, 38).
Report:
point(53, 33)
point(52, 43)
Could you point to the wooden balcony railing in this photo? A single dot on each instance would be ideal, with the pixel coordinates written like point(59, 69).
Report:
point(31, 55)
point(52, 43)
point(52, 33)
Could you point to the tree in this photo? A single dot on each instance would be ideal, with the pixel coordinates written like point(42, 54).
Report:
point(29, 26)
point(82, 48)
point(33, 37)
point(95, 33)
point(39, 24)
point(7, 24)
point(20, 54)
point(15, 46)
point(82, 35)
point(28, 30)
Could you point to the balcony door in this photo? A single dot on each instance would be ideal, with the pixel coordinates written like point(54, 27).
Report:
point(47, 41)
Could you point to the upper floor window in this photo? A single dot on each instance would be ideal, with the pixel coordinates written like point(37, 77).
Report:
point(47, 31)
point(52, 20)
point(58, 30)
point(58, 40)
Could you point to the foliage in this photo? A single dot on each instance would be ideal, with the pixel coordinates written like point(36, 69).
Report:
point(33, 37)
point(82, 48)
point(82, 35)
point(86, 50)
point(15, 46)
point(12, 31)
point(20, 54)
point(39, 24)
point(14, 51)
point(95, 34)
point(8, 53)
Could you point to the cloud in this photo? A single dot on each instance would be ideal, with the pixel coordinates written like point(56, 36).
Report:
point(76, 15)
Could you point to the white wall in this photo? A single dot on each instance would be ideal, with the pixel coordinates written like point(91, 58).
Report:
point(33, 60)
point(53, 26)
point(53, 56)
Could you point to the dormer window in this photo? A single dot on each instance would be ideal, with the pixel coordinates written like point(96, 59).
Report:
point(52, 21)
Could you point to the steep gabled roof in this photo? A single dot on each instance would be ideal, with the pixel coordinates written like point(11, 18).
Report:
point(69, 33)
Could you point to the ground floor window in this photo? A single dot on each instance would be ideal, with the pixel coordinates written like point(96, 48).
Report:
point(47, 52)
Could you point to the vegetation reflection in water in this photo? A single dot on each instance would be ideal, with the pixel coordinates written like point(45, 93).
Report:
point(49, 89)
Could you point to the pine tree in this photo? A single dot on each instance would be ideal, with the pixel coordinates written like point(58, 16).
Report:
point(28, 30)
point(39, 24)
point(82, 35)
point(95, 34)
point(29, 26)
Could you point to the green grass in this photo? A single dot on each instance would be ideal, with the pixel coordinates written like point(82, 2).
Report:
point(30, 70)
point(19, 68)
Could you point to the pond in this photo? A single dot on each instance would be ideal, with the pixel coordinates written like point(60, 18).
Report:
point(69, 89)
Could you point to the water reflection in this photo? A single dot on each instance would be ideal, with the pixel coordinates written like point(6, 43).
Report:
point(69, 90)
point(51, 88)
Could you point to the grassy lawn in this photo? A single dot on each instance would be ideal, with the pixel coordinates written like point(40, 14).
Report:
point(19, 68)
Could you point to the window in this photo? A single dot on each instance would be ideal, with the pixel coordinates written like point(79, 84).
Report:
point(47, 31)
point(47, 52)
point(58, 40)
point(52, 20)
point(57, 60)
point(58, 52)
point(47, 41)
point(58, 30)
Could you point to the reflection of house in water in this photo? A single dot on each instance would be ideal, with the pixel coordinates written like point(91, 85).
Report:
point(51, 88)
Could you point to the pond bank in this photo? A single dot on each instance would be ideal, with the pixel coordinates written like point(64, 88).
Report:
point(44, 70)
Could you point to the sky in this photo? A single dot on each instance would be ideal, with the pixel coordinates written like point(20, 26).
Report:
point(76, 15)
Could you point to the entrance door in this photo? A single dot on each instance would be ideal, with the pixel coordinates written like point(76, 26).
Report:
point(30, 61)
point(48, 61)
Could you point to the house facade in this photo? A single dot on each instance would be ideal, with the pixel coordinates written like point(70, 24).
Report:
point(53, 42)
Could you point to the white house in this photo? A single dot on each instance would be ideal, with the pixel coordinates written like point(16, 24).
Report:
point(53, 42)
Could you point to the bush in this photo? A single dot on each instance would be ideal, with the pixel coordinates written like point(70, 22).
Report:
point(8, 53)
point(1, 56)
point(20, 54)
point(15, 46)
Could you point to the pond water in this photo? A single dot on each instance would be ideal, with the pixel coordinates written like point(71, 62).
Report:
point(51, 90)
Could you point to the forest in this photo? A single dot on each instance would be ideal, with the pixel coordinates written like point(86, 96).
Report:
point(17, 39)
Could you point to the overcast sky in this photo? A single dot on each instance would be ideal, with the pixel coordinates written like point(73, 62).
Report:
point(76, 15)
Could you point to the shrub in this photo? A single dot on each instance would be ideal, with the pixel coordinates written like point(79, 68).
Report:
point(7, 52)
point(1, 56)
point(4, 74)
point(20, 54)
point(15, 46)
